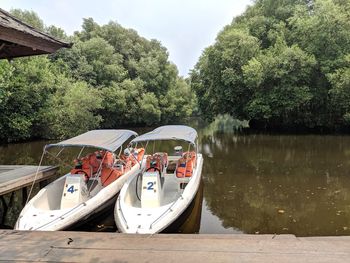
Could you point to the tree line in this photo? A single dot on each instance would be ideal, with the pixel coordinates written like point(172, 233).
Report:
point(283, 64)
point(111, 77)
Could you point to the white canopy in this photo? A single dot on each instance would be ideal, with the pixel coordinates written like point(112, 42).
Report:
point(169, 132)
point(109, 140)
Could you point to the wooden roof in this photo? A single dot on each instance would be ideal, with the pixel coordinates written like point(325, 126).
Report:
point(18, 39)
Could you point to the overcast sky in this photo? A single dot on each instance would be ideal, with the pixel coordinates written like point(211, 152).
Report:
point(184, 27)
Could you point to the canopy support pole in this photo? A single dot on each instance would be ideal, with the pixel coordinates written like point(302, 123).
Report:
point(36, 174)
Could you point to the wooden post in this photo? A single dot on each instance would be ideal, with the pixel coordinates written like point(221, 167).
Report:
point(5, 206)
point(24, 196)
point(4, 209)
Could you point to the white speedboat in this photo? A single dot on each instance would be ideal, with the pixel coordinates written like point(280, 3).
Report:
point(91, 185)
point(155, 199)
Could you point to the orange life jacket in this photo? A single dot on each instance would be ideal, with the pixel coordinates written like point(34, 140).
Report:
point(109, 175)
point(137, 155)
point(90, 164)
point(87, 165)
point(185, 165)
point(107, 158)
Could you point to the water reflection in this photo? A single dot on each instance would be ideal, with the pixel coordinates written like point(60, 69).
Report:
point(22, 153)
point(192, 221)
point(278, 184)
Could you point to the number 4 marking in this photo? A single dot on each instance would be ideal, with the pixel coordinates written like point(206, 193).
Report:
point(71, 189)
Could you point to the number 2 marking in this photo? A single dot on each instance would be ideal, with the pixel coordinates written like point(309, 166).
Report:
point(150, 186)
point(71, 189)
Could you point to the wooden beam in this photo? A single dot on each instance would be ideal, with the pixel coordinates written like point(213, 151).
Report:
point(25, 39)
point(13, 51)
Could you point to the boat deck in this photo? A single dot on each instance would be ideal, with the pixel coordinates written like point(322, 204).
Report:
point(112, 247)
point(14, 177)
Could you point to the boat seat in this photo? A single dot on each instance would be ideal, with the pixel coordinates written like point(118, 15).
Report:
point(157, 161)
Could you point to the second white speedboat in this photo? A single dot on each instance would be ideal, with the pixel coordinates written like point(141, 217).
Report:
point(91, 185)
point(156, 198)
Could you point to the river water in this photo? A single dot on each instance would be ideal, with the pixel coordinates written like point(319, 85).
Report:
point(262, 184)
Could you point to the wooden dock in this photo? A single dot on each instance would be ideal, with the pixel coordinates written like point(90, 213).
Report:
point(14, 177)
point(113, 247)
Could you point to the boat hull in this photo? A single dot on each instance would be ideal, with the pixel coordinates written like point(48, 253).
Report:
point(33, 218)
point(189, 221)
point(163, 219)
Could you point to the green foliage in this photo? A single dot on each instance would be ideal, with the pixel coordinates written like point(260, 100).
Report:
point(95, 62)
point(110, 77)
point(149, 109)
point(56, 32)
point(137, 82)
point(32, 19)
point(178, 103)
point(281, 64)
point(279, 77)
point(340, 93)
point(70, 110)
point(26, 85)
point(29, 17)
point(216, 78)
point(325, 33)
point(38, 100)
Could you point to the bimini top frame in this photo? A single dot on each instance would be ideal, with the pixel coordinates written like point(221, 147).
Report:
point(169, 132)
point(109, 140)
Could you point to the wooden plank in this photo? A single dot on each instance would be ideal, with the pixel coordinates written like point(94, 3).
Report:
point(112, 247)
point(11, 167)
point(6, 168)
point(19, 177)
point(18, 172)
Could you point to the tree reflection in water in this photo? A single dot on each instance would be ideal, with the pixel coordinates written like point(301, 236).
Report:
point(278, 183)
